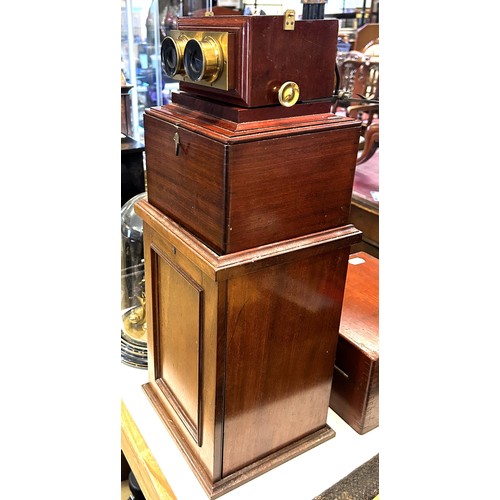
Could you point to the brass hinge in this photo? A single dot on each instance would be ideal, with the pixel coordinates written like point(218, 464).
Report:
point(289, 20)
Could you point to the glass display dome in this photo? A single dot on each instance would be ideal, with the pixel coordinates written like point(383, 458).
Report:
point(133, 291)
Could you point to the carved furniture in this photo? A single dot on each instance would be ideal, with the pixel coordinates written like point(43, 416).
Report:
point(359, 68)
point(371, 143)
point(359, 76)
point(365, 206)
point(367, 113)
point(365, 35)
point(355, 389)
point(365, 196)
point(372, 49)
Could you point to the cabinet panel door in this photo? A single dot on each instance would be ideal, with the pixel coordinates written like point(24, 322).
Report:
point(179, 347)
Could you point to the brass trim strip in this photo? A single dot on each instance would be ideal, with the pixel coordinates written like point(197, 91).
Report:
point(221, 39)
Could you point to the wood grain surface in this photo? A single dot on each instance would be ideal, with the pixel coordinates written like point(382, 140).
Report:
point(263, 56)
point(239, 186)
point(355, 385)
point(242, 377)
point(146, 470)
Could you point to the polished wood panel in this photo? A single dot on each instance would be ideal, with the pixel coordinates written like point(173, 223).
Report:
point(270, 327)
point(238, 114)
point(264, 56)
point(180, 341)
point(189, 186)
point(164, 295)
point(355, 389)
point(285, 187)
point(241, 185)
point(282, 337)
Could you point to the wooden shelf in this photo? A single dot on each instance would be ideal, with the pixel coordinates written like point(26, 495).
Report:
point(142, 462)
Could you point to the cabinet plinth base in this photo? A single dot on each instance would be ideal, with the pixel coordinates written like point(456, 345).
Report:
point(218, 488)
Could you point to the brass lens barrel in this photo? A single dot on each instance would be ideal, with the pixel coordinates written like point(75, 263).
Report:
point(172, 55)
point(203, 59)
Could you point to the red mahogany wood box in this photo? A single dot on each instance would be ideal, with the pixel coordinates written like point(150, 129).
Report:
point(240, 178)
point(262, 55)
point(355, 390)
point(241, 347)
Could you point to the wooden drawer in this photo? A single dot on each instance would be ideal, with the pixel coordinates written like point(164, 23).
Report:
point(354, 395)
point(241, 185)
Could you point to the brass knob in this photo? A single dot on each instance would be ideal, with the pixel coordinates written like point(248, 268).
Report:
point(288, 94)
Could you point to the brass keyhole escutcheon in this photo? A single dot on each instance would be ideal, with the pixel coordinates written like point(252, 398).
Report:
point(177, 143)
point(288, 94)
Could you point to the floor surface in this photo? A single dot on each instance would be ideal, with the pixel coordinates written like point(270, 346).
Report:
point(125, 491)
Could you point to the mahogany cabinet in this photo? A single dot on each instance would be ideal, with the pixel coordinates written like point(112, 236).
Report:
point(238, 183)
point(241, 347)
point(355, 390)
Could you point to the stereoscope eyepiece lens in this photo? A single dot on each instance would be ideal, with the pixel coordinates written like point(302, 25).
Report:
point(172, 52)
point(203, 60)
point(194, 60)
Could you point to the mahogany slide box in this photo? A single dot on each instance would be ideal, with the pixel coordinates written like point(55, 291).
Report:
point(240, 184)
point(241, 347)
point(354, 395)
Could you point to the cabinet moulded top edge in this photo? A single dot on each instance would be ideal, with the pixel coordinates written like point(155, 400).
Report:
point(233, 132)
point(225, 267)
